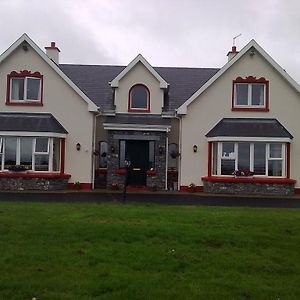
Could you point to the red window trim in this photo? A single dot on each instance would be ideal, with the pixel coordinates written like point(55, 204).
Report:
point(251, 79)
point(23, 74)
point(249, 180)
point(130, 109)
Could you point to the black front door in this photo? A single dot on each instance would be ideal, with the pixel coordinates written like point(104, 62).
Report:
point(137, 152)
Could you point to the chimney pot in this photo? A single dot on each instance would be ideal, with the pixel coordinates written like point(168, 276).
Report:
point(232, 53)
point(52, 44)
point(53, 52)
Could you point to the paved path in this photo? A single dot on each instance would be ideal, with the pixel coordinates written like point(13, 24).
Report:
point(168, 198)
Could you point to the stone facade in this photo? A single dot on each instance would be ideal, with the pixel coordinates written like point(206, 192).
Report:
point(250, 188)
point(29, 183)
point(156, 181)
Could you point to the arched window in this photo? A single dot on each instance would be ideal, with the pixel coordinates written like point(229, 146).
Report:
point(173, 156)
point(139, 98)
point(103, 146)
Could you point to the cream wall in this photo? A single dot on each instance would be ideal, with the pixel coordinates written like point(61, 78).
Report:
point(64, 104)
point(139, 74)
point(215, 103)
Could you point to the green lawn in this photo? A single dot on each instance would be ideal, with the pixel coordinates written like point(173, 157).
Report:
point(113, 251)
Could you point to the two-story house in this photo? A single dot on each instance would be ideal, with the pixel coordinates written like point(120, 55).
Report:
point(228, 130)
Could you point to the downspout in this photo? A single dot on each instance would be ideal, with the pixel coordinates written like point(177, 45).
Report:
point(180, 150)
point(167, 156)
point(93, 149)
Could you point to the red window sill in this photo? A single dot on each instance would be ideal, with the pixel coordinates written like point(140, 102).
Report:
point(33, 175)
point(37, 103)
point(248, 180)
point(263, 109)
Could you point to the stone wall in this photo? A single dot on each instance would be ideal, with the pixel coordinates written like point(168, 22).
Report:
point(29, 183)
point(251, 188)
point(114, 136)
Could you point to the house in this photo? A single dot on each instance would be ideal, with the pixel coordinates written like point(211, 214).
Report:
point(223, 130)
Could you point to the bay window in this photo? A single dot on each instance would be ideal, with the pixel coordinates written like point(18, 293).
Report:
point(263, 159)
point(33, 153)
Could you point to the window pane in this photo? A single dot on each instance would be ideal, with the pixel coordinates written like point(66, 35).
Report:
point(275, 150)
point(258, 94)
point(33, 88)
point(227, 166)
point(41, 162)
point(244, 156)
point(26, 152)
point(56, 154)
point(139, 97)
point(10, 152)
point(41, 144)
point(228, 150)
point(275, 168)
point(17, 89)
point(122, 154)
point(151, 154)
point(103, 155)
point(241, 94)
point(259, 158)
point(173, 152)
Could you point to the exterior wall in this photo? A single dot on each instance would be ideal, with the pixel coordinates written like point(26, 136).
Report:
point(65, 105)
point(215, 103)
point(139, 74)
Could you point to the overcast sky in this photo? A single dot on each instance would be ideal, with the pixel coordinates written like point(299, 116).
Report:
point(167, 32)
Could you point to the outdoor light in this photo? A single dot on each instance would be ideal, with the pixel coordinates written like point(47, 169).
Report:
point(195, 148)
point(113, 149)
point(78, 146)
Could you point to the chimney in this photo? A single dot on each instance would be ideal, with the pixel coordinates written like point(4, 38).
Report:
point(53, 52)
point(232, 53)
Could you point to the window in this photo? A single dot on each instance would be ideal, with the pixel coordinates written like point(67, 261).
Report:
point(139, 98)
point(103, 147)
point(250, 94)
point(34, 153)
point(24, 88)
point(173, 155)
point(264, 159)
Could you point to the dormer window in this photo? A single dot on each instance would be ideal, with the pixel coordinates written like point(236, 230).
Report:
point(24, 88)
point(250, 94)
point(139, 99)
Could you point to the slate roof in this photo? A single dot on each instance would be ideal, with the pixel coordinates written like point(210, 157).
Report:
point(94, 80)
point(138, 119)
point(249, 127)
point(33, 122)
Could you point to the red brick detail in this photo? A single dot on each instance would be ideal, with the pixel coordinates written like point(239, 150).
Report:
point(82, 186)
point(33, 175)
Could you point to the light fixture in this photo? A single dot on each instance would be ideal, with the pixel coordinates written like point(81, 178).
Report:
point(252, 52)
point(195, 148)
point(78, 146)
point(113, 149)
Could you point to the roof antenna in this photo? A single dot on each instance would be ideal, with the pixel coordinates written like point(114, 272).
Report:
point(233, 40)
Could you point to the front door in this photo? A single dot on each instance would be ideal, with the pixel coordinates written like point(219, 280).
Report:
point(137, 152)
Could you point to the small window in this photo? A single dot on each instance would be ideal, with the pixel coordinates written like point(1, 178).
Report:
point(139, 98)
point(173, 156)
point(103, 147)
point(250, 94)
point(24, 88)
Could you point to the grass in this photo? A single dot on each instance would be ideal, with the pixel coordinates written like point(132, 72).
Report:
point(112, 251)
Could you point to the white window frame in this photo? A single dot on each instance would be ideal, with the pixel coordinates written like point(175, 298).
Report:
point(25, 78)
point(235, 157)
point(34, 153)
point(249, 104)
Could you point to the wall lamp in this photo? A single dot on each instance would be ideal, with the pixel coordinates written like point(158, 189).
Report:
point(195, 148)
point(78, 146)
point(113, 149)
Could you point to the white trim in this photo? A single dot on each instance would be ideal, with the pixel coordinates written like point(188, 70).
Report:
point(137, 127)
point(139, 58)
point(248, 139)
point(32, 134)
point(25, 38)
point(183, 108)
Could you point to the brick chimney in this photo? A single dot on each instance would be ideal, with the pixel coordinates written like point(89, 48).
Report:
point(53, 52)
point(232, 53)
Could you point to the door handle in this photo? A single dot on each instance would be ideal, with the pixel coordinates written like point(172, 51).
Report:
point(136, 169)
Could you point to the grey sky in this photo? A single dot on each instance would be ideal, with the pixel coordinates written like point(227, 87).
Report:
point(167, 32)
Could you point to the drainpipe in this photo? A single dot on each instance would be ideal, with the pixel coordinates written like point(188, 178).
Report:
point(167, 152)
point(180, 151)
point(93, 148)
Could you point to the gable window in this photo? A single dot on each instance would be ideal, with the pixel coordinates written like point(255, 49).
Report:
point(250, 94)
point(139, 98)
point(263, 159)
point(24, 88)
